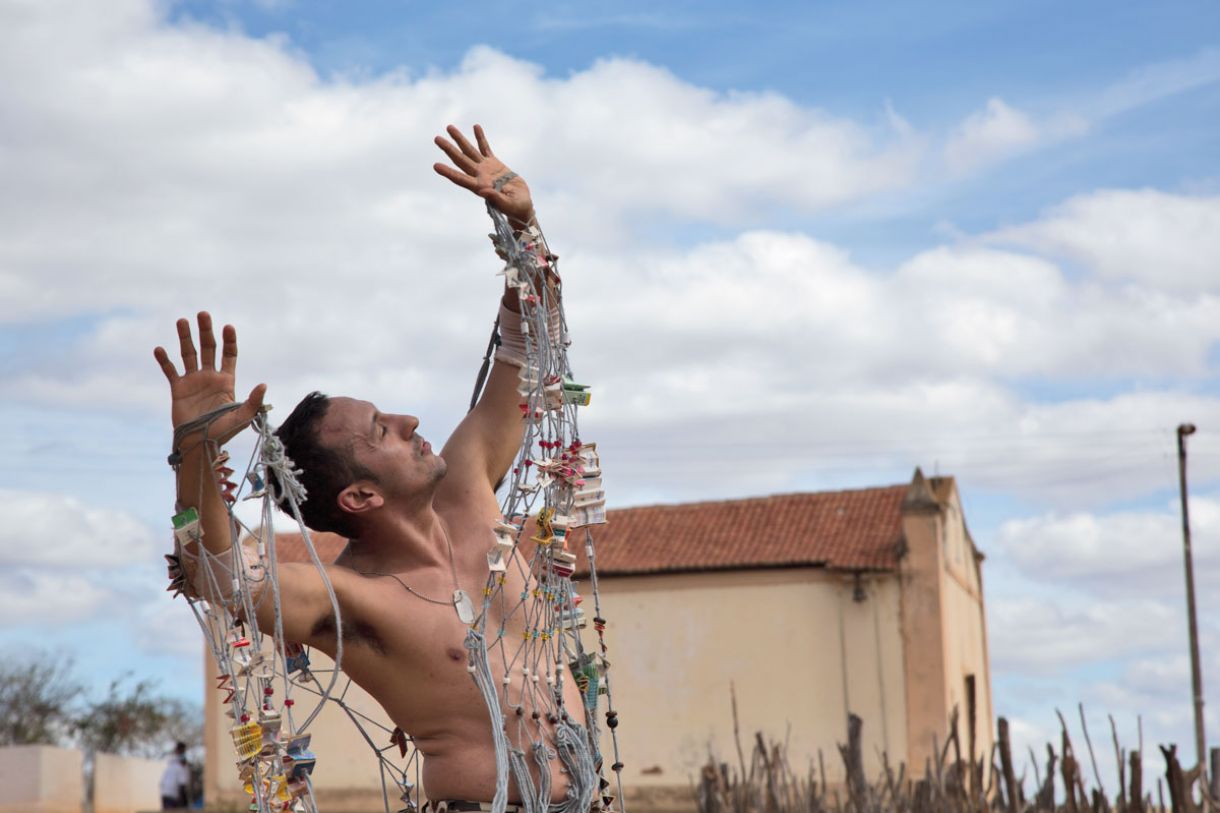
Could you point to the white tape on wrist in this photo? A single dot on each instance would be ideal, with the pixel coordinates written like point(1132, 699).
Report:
point(213, 580)
point(512, 341)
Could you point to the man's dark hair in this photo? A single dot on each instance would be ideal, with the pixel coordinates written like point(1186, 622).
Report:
point(324, 471)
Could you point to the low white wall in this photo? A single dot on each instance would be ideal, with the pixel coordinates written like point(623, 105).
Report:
point(126, 784)
point(40, 779)
point(45, 779)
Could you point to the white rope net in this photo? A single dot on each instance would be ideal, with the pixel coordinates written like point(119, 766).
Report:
point(273, 694)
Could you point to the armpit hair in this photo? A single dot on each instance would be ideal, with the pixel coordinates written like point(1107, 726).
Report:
point(354, 632)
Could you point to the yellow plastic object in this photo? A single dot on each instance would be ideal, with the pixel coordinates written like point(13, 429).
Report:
point(247, 739)
point(273, 787)
point(545, 533)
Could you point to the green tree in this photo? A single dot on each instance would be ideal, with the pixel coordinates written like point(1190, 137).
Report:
point(132, 719)
point(42, 702)
point(39, 698)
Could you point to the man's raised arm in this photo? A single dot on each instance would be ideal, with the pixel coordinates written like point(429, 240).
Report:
point(486, 442)
point(200, 396)
point(201, 390)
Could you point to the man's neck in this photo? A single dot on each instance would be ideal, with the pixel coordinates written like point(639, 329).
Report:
point(398, 542)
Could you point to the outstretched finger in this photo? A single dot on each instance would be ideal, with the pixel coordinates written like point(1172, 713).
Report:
point(461, 179)
point(455, 155)
point(190, 361)
point(484, 147)
point(462, 143)
point(228, 353)
point(167, 366)
point(207, 342)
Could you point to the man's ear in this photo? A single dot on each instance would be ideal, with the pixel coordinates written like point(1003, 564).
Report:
point(359, 497)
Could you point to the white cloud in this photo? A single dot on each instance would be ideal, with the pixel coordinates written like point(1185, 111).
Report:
point(947, 312)
point(1032, 636)
point(1000, 131)
point(1117, 552)
point(30, 597)
point(1147, 237)
point(994, 132)
point(226, 165)
point(1159, 80)
point(44, 529)
point(714, 156)
point(776, 341)
point(166, 627)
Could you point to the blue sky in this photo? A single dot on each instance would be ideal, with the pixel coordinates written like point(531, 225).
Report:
point(849, 239)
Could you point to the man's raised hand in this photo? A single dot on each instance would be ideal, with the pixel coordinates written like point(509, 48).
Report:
point(480, 171)
point(202, 388)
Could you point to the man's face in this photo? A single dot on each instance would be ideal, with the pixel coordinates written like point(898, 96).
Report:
point(387, 445)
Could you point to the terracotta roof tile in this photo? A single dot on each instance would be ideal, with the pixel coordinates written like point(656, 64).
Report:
point(290, 547)
point(844, 530)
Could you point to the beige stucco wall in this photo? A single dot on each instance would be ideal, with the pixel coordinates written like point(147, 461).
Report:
point(965, 632)
point(40, 779)
point(800, 651)
point(923, 637)
point(943, 628)
point(126, 784)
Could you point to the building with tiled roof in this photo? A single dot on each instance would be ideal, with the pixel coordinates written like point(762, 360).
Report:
point(858, 530)
point(811, 606)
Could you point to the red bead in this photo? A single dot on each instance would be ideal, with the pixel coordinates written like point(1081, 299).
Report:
point(268, 691)
point(289, 702)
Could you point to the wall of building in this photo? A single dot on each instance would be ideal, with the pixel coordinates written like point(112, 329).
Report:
point(126, 784)
point(965, 633)
point(45, 779)
point(943, 625)
point(923, 635)
point(40, 779)
point(799, 649)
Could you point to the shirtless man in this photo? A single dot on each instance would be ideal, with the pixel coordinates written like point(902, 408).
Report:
point(418, 520)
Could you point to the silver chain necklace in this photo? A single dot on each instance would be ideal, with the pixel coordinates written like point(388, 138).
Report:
point(460, 602)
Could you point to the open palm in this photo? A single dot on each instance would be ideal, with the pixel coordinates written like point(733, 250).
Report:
point(201, 387)
point(479, 170)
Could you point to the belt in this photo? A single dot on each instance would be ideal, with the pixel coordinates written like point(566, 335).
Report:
point(463, 806)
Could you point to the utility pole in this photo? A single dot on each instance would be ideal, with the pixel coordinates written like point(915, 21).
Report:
point(1196, 676)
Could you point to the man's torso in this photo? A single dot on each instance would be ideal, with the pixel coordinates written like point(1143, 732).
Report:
point(409, 653)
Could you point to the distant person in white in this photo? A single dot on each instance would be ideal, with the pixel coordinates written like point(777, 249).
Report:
point(175, 780)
